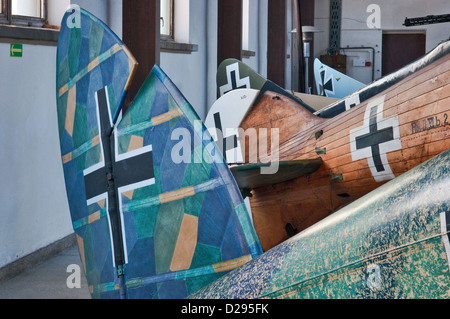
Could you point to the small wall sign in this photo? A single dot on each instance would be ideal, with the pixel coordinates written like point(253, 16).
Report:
point(16, 50)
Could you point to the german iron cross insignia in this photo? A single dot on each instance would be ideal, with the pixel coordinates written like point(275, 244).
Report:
point(234, 80)
point(326, 83)
point(377, 137)
point(99, 189)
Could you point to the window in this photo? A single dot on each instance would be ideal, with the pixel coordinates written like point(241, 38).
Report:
point(246, 20)
point(23, 12)
point(3, 18)
point(27, 8)
point(175, 27)
point(167, 10)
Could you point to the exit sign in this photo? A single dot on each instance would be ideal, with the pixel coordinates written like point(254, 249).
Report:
point(16, 50)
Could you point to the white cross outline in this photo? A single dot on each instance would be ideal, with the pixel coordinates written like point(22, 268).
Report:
point(239, 82)
point(352, 101)
point(385, 148)
point(101, 164)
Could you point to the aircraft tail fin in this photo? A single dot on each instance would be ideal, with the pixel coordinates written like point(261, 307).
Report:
point(274, 113)
point(272, 87)
point(233, 74)
point(332, 83)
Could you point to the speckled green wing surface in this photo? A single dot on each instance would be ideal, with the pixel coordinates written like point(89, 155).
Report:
point(392, 243)
point(155, 209)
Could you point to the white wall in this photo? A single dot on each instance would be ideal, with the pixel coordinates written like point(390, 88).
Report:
point(56, 9)
point(355, 31)
point(33, 204)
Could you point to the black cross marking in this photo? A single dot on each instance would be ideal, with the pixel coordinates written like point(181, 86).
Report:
point(325, 86)
point(96, 182)
point(115, 174)
point(374, 138)
point(234, 79)
point(230, 141)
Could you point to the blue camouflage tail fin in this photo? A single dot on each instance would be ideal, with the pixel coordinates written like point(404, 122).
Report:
point(154, 217)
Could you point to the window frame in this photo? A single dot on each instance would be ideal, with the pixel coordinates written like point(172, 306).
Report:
point(4, 12)
point(6, 17)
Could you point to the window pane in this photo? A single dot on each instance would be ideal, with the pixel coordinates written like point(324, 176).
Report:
point(1, 6)
point(166, 16)
point(30, 8)
point(245, 23)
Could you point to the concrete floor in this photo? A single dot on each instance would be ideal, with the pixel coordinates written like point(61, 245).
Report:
point(47, 280)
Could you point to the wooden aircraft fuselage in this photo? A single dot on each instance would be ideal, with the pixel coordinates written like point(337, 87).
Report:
point(361, 149)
